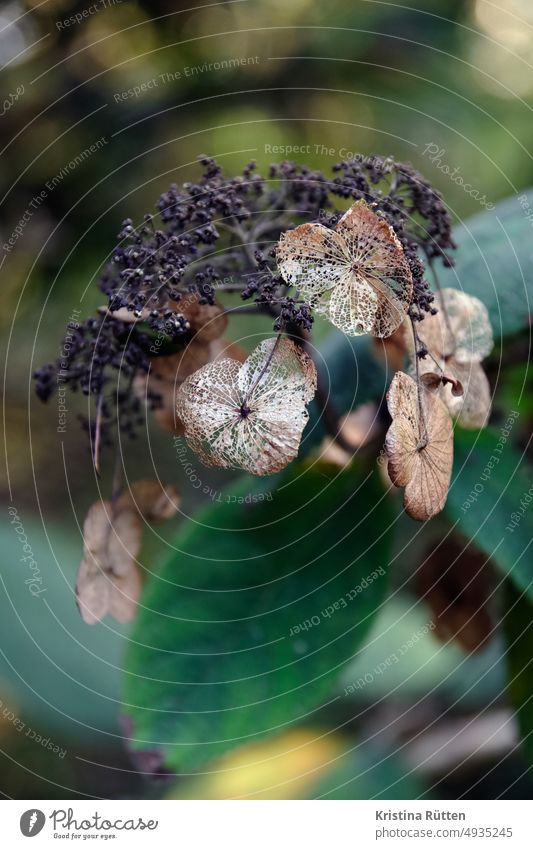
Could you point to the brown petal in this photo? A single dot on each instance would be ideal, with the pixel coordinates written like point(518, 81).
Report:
point(461, 328)
point(474, 407)
point(419, 445)
point(454, 579)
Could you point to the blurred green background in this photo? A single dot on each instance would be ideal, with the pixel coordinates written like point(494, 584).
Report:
point(152, 85)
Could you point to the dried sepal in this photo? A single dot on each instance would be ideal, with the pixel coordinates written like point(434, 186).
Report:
point(460, 329)
point(463, 388)
point(454, 579)
point(108, 578)
point(472, 408)
point(160, 386)
point(357, 275)
point(419, 446)
point(249, 416)
point(154, 502)
point(109, 581)
point(435, 380)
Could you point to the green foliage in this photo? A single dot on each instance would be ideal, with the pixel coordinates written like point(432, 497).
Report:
point(518, 627)
point(247, 626)
point(490, 477)
point(493, 262)
point(369, 772)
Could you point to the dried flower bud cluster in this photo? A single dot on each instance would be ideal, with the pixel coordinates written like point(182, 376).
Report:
point(219, 234)
point(282, 244)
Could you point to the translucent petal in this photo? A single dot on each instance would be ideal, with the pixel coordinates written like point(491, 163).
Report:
point(312, 258)
point(250, 416)
point(357, 275)
point(472, 408)
point(461, 328)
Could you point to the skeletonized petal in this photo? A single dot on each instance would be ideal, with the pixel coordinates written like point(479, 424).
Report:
point(312, 258)
point(361, 304)
point(250, 416)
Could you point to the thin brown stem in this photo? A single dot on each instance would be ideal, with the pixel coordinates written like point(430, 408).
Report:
point(423, 431)
point(98, 434)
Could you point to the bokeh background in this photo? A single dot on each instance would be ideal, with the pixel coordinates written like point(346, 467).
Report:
point(152, 85)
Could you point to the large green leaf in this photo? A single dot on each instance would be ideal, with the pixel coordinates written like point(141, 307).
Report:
point(494, 262)
point(489, 487)
point(518, 627)
point(248, 624)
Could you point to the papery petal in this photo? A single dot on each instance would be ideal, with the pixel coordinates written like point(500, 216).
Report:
point(361, 304)
point(250, 416)
point(461, 328)
point(312, 258)
point(419, 446)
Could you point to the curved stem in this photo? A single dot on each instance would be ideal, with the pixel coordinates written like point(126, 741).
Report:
point(423, 431)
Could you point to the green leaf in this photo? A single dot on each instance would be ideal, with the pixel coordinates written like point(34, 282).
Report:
point(489, 492)
point(518, 628)
point(247, 626)
point(494, 262)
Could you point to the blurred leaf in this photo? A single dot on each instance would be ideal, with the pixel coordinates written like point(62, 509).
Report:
point(286, 766)
point(381, 672)
point(62, 674)
point(494, 262)
point(518, 627)
point(490, 478)
point(213, 662)
point(367, 772)
point(304, 763)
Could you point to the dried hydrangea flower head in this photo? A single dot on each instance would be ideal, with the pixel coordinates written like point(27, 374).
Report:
point(356, 275)
point(457, 338)
point(109, 581)
point(419, 446)
point(249, 416)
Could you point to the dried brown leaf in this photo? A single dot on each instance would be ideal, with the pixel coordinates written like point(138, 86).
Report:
point(454, 579)
point(356, 275)
point(108, 578)
point(153, 501)
point(109, 581)
point(419, 446)
point(249, 416)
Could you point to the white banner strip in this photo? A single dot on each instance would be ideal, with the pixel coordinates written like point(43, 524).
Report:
point(264, 824)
